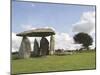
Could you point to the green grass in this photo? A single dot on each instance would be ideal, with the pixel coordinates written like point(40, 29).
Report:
point(83, 60)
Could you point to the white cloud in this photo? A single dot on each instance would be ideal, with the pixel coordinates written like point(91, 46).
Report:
point(16, 41)
point(86, 23)
point(65, 41)
point(62, 41)
point(27, 27)
point(92, 46)
point(94, 42)
point(48, 27)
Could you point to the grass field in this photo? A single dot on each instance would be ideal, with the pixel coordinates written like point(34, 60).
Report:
point(77, 61)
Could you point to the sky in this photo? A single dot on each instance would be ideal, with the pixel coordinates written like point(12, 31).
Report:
point(65, 19)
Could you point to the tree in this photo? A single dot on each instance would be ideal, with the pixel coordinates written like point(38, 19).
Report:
point(84, 39)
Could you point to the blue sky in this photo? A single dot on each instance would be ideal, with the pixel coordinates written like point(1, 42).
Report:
point(59, 16)
point(66, 19)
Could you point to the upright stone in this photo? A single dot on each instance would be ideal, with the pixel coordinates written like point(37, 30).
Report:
point(44, 46)
point(36, 51)
point(25, 48)
point(52, 44)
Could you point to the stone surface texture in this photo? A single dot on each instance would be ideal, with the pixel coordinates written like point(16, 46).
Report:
point(52, 44)
point(44, 46)
point(25, 48)
point(36, 49)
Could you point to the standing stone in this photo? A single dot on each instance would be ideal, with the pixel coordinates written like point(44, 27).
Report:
point(44, 46)
point(36, 51)
point(25, 48)
point(52, 44)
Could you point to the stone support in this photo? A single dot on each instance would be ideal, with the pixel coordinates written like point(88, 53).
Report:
point(36, 51)
point(52, 44)
point(25, 48)
point(44, 46)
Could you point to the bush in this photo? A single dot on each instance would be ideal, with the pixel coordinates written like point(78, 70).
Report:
point(15, 56)
point(59, 52)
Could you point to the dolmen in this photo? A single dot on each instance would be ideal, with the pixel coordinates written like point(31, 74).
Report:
point(44, 49)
